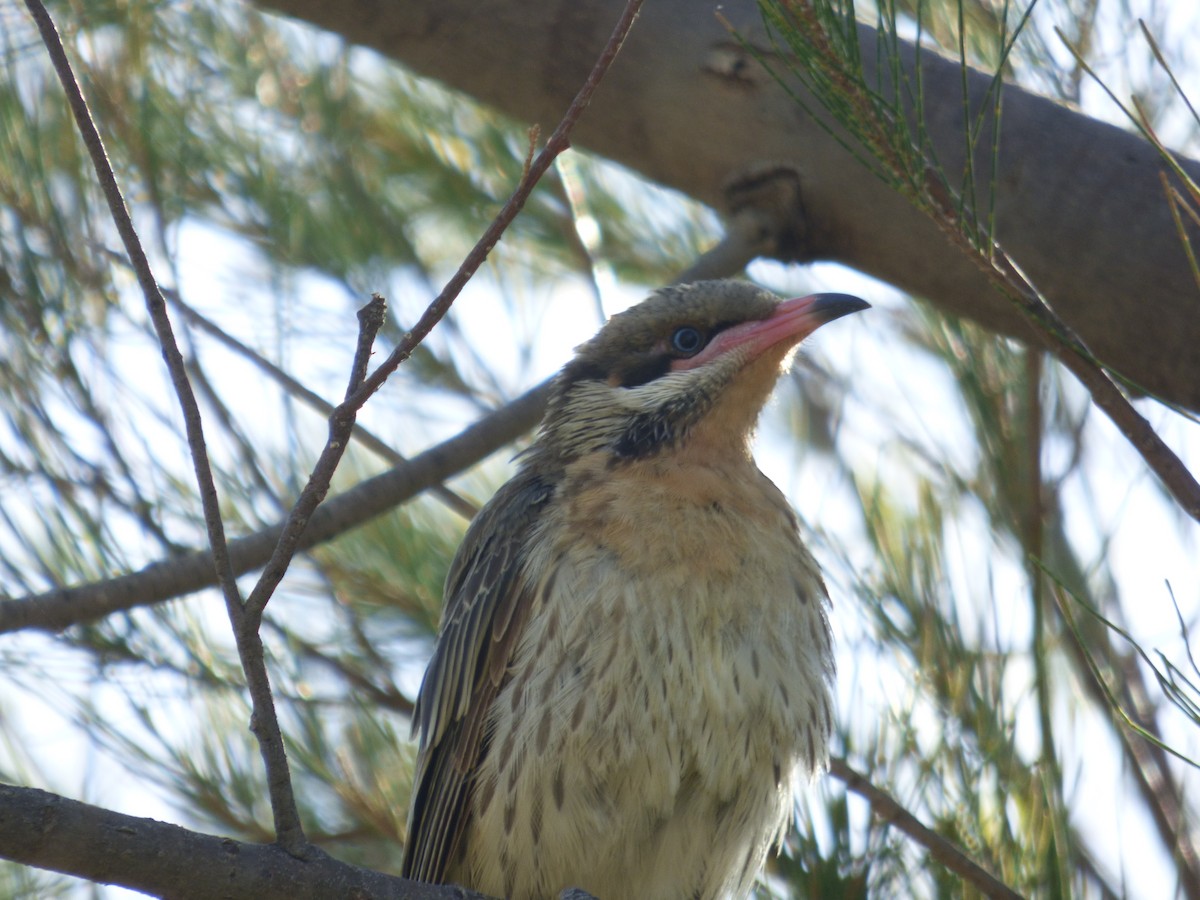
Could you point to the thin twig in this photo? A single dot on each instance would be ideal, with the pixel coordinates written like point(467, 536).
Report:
point(342, 419)
point(155, 303)
point(361, 433)
point(558, 142)
point(892, 813)
point(179, 575)
point(341, 425)
point(264, 723)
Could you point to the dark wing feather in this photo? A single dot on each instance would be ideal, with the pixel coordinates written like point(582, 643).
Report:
point(487, 603)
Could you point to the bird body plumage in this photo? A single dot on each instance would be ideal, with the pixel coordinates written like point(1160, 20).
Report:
point(634, 663)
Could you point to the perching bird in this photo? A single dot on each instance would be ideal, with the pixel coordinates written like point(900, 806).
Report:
point(634, 662)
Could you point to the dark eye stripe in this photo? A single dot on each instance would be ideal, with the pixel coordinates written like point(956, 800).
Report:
point(644, 370)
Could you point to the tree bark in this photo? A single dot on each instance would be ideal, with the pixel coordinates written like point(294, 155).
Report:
point(52, 832)
point(1079, 203)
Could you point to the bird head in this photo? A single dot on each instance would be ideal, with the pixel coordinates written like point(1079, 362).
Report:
point(689, 368)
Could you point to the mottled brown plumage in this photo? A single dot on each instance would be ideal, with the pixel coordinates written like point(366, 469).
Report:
point(634, 658)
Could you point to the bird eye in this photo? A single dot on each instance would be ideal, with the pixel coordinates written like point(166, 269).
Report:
point(687, 341)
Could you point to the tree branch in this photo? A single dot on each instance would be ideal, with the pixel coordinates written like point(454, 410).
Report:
point(294, 387)
point(558, 141)
point(1081, 207)
point(892, 813)
point(51, 832)
point(155, 303)
point(60, 608)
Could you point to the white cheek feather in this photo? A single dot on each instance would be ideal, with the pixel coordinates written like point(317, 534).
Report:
point(595, 413)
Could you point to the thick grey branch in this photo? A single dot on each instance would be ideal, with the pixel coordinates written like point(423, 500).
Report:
point(51, 832)
point(1079, 203)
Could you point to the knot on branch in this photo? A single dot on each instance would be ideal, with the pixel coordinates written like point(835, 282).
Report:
point(764, 205)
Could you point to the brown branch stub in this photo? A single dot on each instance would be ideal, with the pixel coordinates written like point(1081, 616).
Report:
point(764, 216)
point(370, 319)
point(767, 202)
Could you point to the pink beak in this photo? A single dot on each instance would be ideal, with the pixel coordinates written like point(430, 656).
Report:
point(791, 321)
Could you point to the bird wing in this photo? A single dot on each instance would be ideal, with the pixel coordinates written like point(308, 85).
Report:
point(486, 605)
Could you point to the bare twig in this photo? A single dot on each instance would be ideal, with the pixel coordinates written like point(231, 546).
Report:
point(341, 425)
point(890, 812)
point(558, 142)
point(155, 303)
point(454, 501)
point(362, 386)
point(63, 607)
point(289, 830)
point(264, 723)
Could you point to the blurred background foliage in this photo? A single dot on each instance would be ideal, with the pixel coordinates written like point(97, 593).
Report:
point(279, 178)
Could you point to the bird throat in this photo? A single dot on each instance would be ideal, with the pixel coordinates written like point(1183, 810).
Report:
point(715, 419)
point(661, 429)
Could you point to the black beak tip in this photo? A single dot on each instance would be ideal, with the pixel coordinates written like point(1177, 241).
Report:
point(834, 306)
point(838, 305)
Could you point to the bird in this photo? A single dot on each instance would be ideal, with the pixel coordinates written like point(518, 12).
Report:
point(633, 670)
